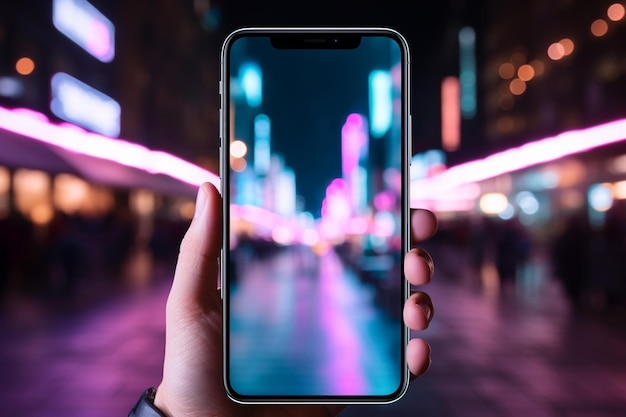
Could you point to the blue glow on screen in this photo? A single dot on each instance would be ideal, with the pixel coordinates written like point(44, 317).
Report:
point(315, 277)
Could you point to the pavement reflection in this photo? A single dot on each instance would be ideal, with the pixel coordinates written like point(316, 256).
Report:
point(522, 351)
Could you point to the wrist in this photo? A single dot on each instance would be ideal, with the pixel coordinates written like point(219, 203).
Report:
point(146, 407)
point(160, 401)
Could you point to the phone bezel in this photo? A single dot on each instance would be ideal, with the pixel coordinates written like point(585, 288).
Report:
point(328, 34)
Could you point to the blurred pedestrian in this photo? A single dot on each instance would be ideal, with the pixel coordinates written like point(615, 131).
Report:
point(570, 256)
point(512, 250)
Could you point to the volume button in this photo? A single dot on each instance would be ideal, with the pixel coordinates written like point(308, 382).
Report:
point(219, 92)
point(221, 133)
point(410, 137)
point(220, 275)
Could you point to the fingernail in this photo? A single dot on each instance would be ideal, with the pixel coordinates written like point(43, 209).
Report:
point(429, 260)
point(427, 308)
point(200, 202)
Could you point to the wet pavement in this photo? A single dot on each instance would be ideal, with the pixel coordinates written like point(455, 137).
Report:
point(518, 350)
point(303, 324)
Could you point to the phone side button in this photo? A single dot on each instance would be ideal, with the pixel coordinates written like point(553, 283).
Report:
point(410, 137)
point(221, 133)
point(219, 274)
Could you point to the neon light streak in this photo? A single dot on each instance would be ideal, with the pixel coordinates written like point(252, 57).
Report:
point(467, 76)
point(251, 81)
point(354, 144)
point(380, 102)
point(515, 159)
point(73, 138)
point(450, 114)
point(262, 153)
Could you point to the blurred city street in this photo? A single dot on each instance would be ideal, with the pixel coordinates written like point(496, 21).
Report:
point(307, 324)
point(114, 113)
point(515, 351)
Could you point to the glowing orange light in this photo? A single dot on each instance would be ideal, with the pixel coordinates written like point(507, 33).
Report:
point(450, 114)
point(24, 66)
point(517, 86)
point(238, 164)
point(538, 66)
point(526, 72)
point(568, 46)
point(493, 203)
point(619, 190)
point(599, 27)
point(41, 213)
point(506, 71)
point(616, 12)
point(556, 51)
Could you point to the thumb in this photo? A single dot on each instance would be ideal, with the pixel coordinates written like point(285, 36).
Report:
point(193, 312)
point(196, 275)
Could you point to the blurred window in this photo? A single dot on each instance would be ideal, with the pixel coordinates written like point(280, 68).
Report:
point(5, 185)
point(33, 195)
point(70, 193)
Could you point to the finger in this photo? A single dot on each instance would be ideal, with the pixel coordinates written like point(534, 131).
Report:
point(418, 356)
point(419, 267)
point(423, 225)
point(197, 266)
point(418, 311)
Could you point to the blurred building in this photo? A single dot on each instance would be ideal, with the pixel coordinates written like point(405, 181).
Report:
point(164, 71)
point(108, 115)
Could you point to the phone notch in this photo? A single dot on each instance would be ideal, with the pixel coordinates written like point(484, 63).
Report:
point(316, 40)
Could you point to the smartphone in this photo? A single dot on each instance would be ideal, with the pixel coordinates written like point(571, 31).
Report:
point(314, 175)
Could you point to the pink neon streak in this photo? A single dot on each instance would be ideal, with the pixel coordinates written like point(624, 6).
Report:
point(353, 139)
point(257, 215)
point(342, 340)
point(67, 136)
point(514, 159)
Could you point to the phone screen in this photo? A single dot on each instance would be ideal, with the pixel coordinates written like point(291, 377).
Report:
point(315, 159)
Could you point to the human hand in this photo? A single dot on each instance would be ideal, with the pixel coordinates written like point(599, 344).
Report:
point(192, 382)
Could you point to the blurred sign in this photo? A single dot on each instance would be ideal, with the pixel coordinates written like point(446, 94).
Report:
point(85, 25)
point(427, 164)
point(78, 103)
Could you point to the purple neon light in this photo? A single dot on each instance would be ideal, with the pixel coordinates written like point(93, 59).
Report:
point(514, 159)
point(353, 141)
point(71, 137)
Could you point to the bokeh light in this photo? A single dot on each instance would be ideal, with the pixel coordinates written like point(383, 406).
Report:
point(493, 203)
point(517, 86)
point(527, 202)
point(568, 46)
point(619, 190)
point(238, 164)
point(538, 66)
point(616, 12)
point(526, 72)
point(238, 149)
point(25, 66)
point(599, 27)
point(556, 51)
point(600, 197)
point(506, 71)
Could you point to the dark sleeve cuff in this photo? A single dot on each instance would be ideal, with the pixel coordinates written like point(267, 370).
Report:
point(145, 406)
